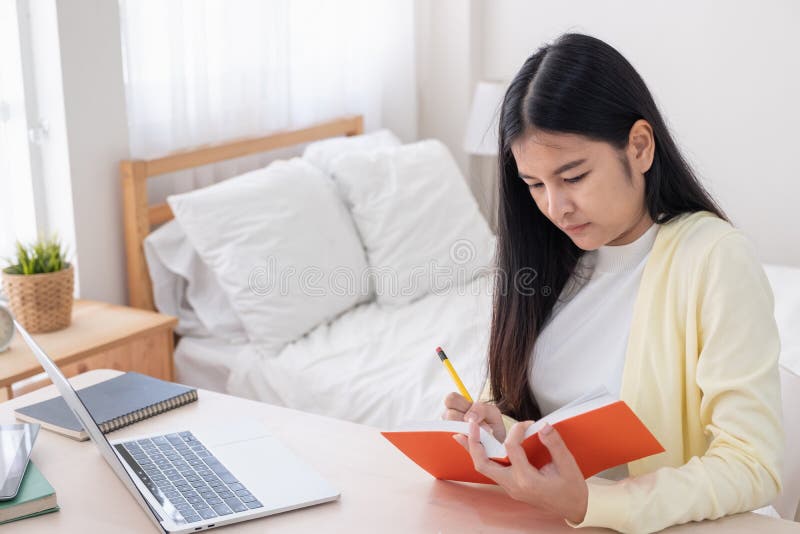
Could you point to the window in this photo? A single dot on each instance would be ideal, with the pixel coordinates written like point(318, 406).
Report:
point(17, 205)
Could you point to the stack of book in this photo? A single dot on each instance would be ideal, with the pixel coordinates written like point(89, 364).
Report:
point(35, 497)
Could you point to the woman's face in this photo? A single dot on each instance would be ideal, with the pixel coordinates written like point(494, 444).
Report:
point(590, 190)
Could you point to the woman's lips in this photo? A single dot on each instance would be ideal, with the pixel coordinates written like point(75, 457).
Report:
point(576, 229)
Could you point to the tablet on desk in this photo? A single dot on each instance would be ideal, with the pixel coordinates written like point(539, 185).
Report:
point(16, 442)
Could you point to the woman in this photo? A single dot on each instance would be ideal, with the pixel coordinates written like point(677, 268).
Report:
point(659, 299)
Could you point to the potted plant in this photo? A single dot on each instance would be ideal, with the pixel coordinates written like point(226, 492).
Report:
point(39, 284)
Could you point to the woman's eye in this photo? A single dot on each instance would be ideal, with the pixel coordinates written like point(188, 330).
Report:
point(535, 186)
point(576, 179)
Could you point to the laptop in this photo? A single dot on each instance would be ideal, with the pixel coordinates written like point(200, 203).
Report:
point(197, 478)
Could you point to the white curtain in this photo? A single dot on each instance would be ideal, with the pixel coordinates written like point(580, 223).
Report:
point(204, 71)
point(17, 208)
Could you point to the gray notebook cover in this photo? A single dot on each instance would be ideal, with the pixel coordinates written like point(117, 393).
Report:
point(115, 403)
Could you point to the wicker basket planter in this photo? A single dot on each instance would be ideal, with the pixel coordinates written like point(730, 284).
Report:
point(41, 302)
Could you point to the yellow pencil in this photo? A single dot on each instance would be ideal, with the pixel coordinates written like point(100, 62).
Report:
point(456, 379)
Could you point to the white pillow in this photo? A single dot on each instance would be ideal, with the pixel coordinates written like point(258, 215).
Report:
point(321, 153)
point(185, 287)
point(417, 218)
point(276, 240)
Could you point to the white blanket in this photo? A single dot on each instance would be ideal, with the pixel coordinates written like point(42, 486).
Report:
point(374, 365)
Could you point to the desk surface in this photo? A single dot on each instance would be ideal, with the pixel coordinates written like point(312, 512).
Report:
point(381, 489)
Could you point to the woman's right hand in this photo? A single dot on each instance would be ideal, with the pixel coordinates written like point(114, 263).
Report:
point(488, 416)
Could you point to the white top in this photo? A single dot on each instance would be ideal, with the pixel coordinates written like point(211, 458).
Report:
point(583, 344)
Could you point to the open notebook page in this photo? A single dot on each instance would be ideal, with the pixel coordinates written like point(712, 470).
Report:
point(591, 401)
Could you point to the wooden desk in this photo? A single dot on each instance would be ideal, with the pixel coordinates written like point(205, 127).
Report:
point(382, 491)
point(101, 336)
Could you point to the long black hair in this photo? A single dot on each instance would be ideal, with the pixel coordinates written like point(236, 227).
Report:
point(578, 85)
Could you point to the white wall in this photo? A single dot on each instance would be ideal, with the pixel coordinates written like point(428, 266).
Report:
point(399, 88)
point(447, 69)
point(726, 75)
point(449, 56)
point(97, 139)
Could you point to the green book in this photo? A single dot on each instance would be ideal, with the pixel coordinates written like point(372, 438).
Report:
point(35, 497)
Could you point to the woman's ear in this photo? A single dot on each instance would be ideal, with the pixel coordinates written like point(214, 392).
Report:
point(641, 146)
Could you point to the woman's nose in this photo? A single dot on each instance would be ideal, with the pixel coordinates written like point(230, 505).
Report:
point(558, 204)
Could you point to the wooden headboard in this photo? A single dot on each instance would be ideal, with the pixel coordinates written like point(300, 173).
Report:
point(140, 217)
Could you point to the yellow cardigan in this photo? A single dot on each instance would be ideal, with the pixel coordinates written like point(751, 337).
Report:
point(701, 371)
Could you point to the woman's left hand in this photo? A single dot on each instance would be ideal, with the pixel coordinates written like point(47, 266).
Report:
point(558, 487)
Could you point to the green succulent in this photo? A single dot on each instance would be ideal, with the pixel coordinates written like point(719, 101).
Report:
point(46, 255)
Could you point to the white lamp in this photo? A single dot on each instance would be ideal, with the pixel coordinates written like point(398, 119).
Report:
point(480, 138)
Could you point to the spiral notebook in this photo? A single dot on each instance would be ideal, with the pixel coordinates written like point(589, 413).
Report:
point(114, 403)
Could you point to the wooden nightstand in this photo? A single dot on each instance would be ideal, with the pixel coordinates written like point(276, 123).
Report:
point(101, 336)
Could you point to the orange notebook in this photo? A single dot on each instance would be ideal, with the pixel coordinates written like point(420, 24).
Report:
point(600, 431)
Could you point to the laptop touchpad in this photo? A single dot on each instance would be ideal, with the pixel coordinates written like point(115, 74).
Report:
point(274, 474)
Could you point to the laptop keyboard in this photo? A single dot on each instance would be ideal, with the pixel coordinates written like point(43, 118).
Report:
point(179, 469)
